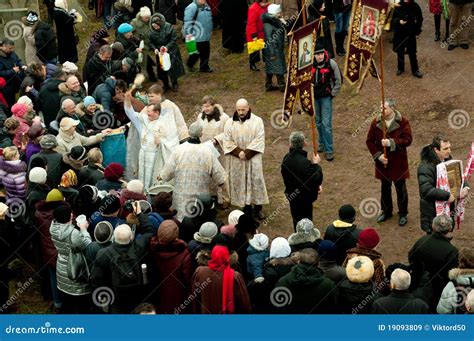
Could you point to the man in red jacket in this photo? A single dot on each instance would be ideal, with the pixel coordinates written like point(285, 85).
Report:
point(394, 166)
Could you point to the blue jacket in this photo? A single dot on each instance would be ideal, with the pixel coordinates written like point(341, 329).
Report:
point(105, 92)
point(255, 261)
point(202, 28)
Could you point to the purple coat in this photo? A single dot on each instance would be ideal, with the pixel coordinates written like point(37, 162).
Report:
point(31, 149)
point(13, 178)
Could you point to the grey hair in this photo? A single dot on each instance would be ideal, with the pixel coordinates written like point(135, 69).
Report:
point(123, 234)
point(390, 102)
point(105, 49)
point(195, 130)
point(400, 279)
point(442, 224)
point(297, 140)
point(67, 100)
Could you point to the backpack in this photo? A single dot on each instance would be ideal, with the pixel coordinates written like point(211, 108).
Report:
point(126, 272)
point(462, 290)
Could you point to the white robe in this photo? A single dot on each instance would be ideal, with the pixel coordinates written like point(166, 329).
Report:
point(193, 168)
point(246, 181)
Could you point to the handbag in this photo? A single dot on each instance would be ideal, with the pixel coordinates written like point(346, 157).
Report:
point(77, 267)
point(256, 45)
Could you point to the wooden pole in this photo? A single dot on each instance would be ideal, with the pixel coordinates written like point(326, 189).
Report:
point(382, 89)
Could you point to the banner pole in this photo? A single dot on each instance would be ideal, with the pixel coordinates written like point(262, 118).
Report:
point(382, 89)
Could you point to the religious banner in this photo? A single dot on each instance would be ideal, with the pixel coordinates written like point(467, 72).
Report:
point(368, 18)
point(300, 63)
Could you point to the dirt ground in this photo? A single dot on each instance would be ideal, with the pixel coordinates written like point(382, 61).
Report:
point(437, 103)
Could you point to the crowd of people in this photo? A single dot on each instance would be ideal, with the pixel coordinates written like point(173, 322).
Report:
point(134, 226)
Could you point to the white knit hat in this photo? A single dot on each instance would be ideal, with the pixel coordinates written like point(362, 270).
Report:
point(280, 248)
point(135, 186)
point(144, 12)
point(259, 242)
point(234, 216)
point(38, 175)
point(25, 100)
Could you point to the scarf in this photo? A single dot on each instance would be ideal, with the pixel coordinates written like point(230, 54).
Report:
point(443, 207)
point(220, 261)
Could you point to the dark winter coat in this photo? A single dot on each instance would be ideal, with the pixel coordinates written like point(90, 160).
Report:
point(276, 268)
point(53, 160)
point(173, 264)
point(43, 218)
point(129, 46)
point(105, 92)
point(400, 302)
point(437, 255)
point(209, 295)
point(429, 194)
point(12, 79)
point(399, 134)
point(92, 250)
point(45, 41)
point(376, 257)
point(166, 36)
point(13, 178)
point(356, 298)
point(89, 175)
point(168, 9)
point(191, 225)
point(302, 178)
point(255, 261)
point(274, 51)
point(107, 185)
point(35, 194)
point(5, 138)
point(76, 96)
point(334, 272)
point(344, 235)
point(33, 80)
point(67, 46)
point(311, 291)
point(96, 72)
point(404, 36)
point(234, 16)
point(327, 78)
point(70, 194)
point(49, 100)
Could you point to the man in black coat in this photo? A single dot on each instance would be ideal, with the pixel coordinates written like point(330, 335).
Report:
point(99, 67)
point(436, 253)
point(400, 301)
point(438, 151)
point(49, 97)
point(407, 22)
point(302, 178)
point(11, 69)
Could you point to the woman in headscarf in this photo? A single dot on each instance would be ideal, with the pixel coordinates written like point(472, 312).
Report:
point(218, 288)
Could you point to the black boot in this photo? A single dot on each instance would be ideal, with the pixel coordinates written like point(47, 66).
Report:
point(338, 40)
point(281, 82)
point(437, 21)
point(269, 83)
point(446, 37)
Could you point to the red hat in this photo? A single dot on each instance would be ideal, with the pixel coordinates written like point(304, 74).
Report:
point(368, 238)
point(113, 172)
point(19, 109)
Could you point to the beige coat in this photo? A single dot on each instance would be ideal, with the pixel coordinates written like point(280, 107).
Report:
point(67, 142)
point(30, 46)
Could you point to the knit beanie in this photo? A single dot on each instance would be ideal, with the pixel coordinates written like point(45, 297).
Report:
point(125, 28)
point(62, 214)
point(144, 12)
point(19, 109)
point(78, 153)
point(69, 179)
point(89, 100)
point(280, 248)
point(69, 67)
point(48, 142)
point(347, 213)
point(368, 238)
point(113, 172)
point(168, 231)
point(38, 175)
point(327, 250)
point(88, 193)
point(234, 216)
point(229, 230)
point(135, 186)
point(360, 269)
point(206, 232)
point(54, 195)
point(162, 202)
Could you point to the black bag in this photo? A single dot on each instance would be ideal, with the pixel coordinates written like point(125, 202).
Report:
point(126, 272)
point(77, 267)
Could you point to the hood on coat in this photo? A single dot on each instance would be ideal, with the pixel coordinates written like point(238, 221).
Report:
point(291, 260)
point(461, 275)
point(81, 110)
point(110, 83)
point(63, 230)
point(306, 275)
point(167, 250)
point(12, 167)
point(267, 18)
point(162, 21)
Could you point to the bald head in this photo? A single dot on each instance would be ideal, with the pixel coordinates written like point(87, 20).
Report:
point(123, 234)
point(242, 107)
point(68, 106)
point(73, 83)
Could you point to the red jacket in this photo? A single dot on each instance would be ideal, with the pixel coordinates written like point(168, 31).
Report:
point(399, 134)
point(2, 85)
point(254, 21)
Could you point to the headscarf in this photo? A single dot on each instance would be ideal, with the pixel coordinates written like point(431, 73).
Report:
point(220, 261)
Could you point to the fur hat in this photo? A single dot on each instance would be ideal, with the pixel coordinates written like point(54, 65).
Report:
point(368, 238)
point(280, 248)
point(69, 67)
point(234, 216)
point(103, 232)
point(19, 109)
point(54, 195)
point(259, 242)
point(3, 209)
point(319, 45)
point(38, 175)
point(305, 233)
point(110, 204)
point(360, 269)
point(48, 142)
point(135, 186)
point(162, 202)
point(89, 100)
point(206, 233)
point(229, 230)
point(168, 231)
point(31, 18)
point(347, 213)
point(144, 12)
point(113, 172)
point(69, 179)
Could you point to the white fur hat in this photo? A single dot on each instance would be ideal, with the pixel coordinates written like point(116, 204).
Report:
point(144, 12)
point(360, 269)
point(135, 186)
point(61, 4)
point(234, 216)
point(305, 233)
point(280, 248)
point(259, 242)
point(38, 175)
point(69, 67)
